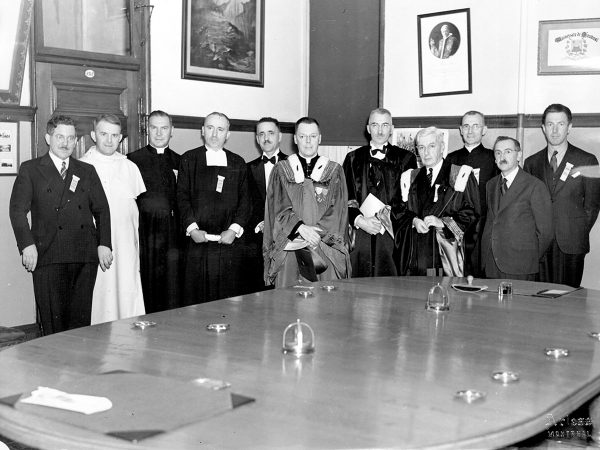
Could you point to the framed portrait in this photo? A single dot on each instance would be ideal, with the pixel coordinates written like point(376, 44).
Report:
point(444, 53)
point(569, 47)
point(14, 38)
point(223, 41)
point(9, 148)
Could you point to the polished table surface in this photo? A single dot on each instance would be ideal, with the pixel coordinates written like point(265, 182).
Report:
point(384, 373)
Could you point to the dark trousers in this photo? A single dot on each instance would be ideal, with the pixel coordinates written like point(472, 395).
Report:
point(63, 295)
point(562, 268)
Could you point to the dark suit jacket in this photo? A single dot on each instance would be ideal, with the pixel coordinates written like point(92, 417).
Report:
point(575, 201)
point(62, 212)
point(518, 229)
point(258, 189)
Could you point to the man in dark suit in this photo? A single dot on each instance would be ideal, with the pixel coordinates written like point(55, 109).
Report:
point(62, 247)
point(375, 169)
point(442, 202)
point(575, 198)
point(268, 137)
point(518, 229)
point(160, 234)
point(481, 159)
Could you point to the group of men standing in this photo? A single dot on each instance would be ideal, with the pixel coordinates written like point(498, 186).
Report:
point(211, 226)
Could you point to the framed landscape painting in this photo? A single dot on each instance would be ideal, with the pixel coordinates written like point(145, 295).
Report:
point(223, 41)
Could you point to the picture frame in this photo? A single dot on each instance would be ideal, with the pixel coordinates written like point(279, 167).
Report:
point(14, 42)
point(569, 47)
point(444, 42)
point(9, 148)
point(223, 44)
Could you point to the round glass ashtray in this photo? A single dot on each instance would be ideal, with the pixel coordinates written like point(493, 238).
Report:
point(141, 324)
point(505, 377)
point(328, 287)
point(305, 294)
point(556, 352)
point(218, 327)
point(594, 335)
point(469, 395)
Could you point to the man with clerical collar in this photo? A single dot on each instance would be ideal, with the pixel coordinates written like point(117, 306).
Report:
point(214, 205)
point(160, 235)
point(575, 198)
point(442, 203)
point(481, 159)
point(306, 216)
point(268, 138)
point(518, 229)
point(374, 171)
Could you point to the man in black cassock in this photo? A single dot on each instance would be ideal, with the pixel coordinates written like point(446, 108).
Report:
point(268, 138)
point(375, 169)
point(214, 204)
point(159, 218)
point(442, 203)
point(484, 166)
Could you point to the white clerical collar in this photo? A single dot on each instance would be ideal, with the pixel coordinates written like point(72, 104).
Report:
point(216, 157)
point(58, 162)
point(160, 151)
point(470, 148)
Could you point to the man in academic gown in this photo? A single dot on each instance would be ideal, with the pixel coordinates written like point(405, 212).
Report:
point(214, 204)
point(160, 235)
point(442, 203)
point(306, 216)
point(268, 137)
point(575, 198)
point(375, 169)
point(70, 232)
point(481, 159)
point(518, 229)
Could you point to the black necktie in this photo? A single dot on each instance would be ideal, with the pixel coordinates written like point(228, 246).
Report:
point(63, 170)
point(429, 175)
point(554, 161)
point(272, 159)
point(503, 186)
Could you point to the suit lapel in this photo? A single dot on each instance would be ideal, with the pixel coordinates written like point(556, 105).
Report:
point(512, 193)
point(258, 171)
point(494, 203)
point(52, 177)
point(561, 168)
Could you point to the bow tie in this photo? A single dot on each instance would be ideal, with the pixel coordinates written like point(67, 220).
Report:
point(375, 151)
point(272, 159)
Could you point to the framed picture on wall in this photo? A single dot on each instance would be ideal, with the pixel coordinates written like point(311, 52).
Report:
point(444, 40)
point(223, 42)
point(9, 148)
point(569, 47)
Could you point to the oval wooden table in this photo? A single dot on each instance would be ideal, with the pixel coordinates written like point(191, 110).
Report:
point(384, 373)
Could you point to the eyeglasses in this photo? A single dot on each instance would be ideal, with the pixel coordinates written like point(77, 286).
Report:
point(307, 137)
point(475, 127)
point(382, 126)
point(61, 138)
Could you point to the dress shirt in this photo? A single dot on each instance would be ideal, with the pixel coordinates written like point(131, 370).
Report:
point(559, 156)
point(58, 162)
point(378, 155)
point(216, 157)
point(511, 176)
point(269, 166)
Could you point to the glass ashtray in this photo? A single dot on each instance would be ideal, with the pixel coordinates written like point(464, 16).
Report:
point(556, 352)
point(505, 377)
point(218, 327)
point(469, 395)
point(594, 335)
point(328, 287)
point(141, 324)
point(305, 294)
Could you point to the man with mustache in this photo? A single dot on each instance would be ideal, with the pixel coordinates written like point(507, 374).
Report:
point(518, 227)
point(213, 200)
point(268, 138)
point(69, 234)
point(575, 198)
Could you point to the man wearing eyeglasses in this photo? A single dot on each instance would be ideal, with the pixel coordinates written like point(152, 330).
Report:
point(374, 170)
point(481, 159)
point(306, 215)
point(70, 233)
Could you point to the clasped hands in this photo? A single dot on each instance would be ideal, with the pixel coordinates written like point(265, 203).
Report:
point(310, 234)
point(199, 236)
point(423, 225)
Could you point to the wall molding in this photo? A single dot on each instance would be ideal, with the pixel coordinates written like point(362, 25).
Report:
point(195, 123)
point(584, 120)
point(17, 113)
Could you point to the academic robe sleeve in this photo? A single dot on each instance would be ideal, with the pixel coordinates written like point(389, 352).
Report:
point(462, 210)
point(244, 205)
point(353, 200)
point(184, 193)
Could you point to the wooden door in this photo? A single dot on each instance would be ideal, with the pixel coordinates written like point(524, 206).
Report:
point(82, 74)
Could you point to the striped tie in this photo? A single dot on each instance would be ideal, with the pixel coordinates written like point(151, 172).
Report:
point(63, 170)
point(503, 186)
point(554, 161)
point(430, 175)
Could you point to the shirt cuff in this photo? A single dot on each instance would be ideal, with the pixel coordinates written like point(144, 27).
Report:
point(236, 229)
point(191, 227)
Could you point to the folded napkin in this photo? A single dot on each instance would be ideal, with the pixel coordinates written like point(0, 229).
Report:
point(53, 398)
point(212, 237)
